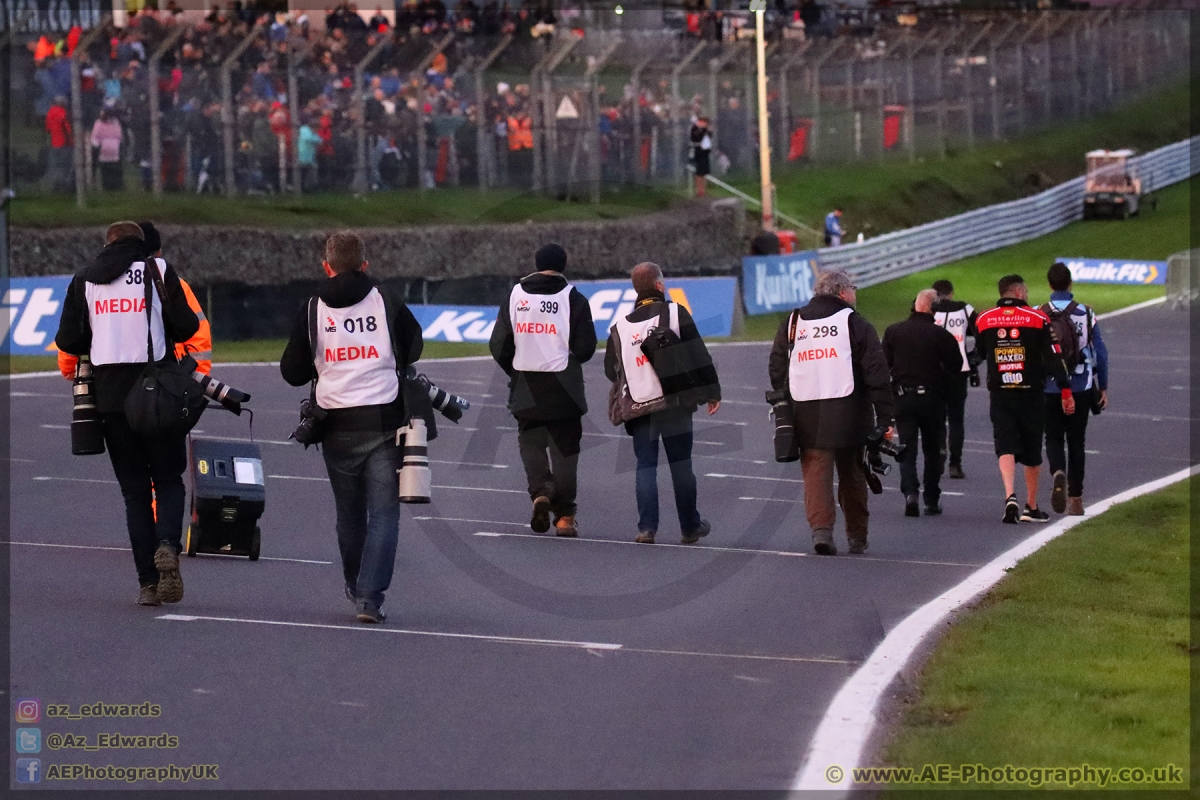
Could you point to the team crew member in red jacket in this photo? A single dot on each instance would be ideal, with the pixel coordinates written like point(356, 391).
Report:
point(1019, 346)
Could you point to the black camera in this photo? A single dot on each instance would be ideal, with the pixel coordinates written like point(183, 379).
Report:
point(87, 432)
point(450, 405)
point(878, 447)
point(311, 429)
point(784, 415)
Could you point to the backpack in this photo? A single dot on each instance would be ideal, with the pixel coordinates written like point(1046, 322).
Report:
point(1065, 334)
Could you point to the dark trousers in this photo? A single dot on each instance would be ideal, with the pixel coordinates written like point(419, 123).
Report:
point(550, 453)
point(149, 469)
point(817, 467)
point(956, 412)
point(1072, 429)
point(921, 414)
point(674, 427)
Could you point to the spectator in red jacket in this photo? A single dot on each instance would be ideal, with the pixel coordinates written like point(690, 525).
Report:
point(59, 128)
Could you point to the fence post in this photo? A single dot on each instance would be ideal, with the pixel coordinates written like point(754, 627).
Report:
point(227, 116)
point(485, 146)
point(155, 111)
point(815, 133)
point(676, 131)
point(1022, 117)
point(994, 77)
point(81, 139)
point(551, 116)
point(360, 108)
point(294, 56)
point(422, 134)
point(6, 193)
point(967, 83)
point(635, 80)
point(592, 73)
point(715, 65)
point(785, 102)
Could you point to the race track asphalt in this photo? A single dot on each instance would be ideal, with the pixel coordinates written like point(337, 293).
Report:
point(512, 660)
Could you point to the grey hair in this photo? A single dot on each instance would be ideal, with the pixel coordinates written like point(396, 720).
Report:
point(833, 283)
point(925, 300)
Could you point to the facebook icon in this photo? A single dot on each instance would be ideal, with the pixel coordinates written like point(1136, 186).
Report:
point(29, 770)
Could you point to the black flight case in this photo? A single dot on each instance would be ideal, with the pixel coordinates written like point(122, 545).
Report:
point(228, 497)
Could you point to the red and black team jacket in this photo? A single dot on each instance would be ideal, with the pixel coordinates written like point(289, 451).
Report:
point(1020, 348)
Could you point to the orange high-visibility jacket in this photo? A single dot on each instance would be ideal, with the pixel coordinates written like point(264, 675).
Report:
point(520, 133)
point(200, 345)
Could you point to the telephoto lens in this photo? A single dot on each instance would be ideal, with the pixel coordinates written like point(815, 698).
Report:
point(87, 432)
point(786, 447)
point(222, 393)
point(416, 481)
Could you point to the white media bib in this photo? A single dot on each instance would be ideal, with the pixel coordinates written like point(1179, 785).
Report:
point(356, 365)
point(541, 330)
point(640, 376)
point(117, 314)
point(956, 322)
point(821, 368)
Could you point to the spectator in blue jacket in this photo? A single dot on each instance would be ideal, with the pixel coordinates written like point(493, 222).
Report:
point(1089, 385)
point(833, 228)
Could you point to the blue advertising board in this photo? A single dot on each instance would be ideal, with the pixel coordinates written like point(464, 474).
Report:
point(710, 301)
point(778, 283)
point(29, 312)
point(1113, 270)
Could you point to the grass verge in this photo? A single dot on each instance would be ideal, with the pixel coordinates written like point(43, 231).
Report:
point(1153, 234)
point(1081, 655)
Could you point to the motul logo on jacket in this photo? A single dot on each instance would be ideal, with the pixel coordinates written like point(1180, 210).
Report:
point(817, 354)
point(537, 327)
point(349, 354)
point(121, 305)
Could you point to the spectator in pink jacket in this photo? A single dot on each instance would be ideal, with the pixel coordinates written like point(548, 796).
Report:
point(106, 135)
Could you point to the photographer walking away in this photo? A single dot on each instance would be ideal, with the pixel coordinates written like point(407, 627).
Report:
point(1022, 352)
point(651, 411)
point(1087, 362)
point(923, 359)
point(356, 344)
point(104, 317)
point(959, 318)
point(828, 358)
point(543, 336)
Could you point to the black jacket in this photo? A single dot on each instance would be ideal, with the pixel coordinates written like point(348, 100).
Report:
point(298, 368)
point(547, 396)
point(1020, 348)
point(843, 421)
point(649, 305)
point(113, 381)
point(921, 353)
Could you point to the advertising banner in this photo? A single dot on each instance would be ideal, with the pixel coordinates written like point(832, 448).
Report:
point(1133, 273)
point(710, 301)
point(29, 312)
point(778, 283)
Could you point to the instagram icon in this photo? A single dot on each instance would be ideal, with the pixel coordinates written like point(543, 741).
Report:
point(29, 710)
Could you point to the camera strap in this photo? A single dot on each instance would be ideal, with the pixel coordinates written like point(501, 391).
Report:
point(792, 330)
point(312, 343)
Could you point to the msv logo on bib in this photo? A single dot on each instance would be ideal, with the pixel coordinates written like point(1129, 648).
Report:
point(29, 312)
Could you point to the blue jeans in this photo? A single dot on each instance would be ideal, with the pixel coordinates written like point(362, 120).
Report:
point(674, 427)
point(362, 469)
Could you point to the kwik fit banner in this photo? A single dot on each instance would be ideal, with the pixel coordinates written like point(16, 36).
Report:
point(1099, 270)
point(778, 283)
point(29, 312)
point(710, 301)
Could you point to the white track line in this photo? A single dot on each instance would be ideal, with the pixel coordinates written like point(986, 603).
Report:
point(435, 486)
point(842, 735)
point(1135, 307)
point(401, 631)
point(70, 480)
point(705, 548)
point(126, 550)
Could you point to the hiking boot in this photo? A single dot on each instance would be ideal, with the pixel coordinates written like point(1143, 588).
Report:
point(1058, 495)
point(1012, 510)
point(957, 473)
point(1075, 506)
point(170, 584)
point(857, 547)
point(370, 614)
point(645, 537)
point(1034, 515)
point(148, 596)
point(565, 526)
point(823, 543)
point(911, 509)
point(540, 523)
point(691, 537)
